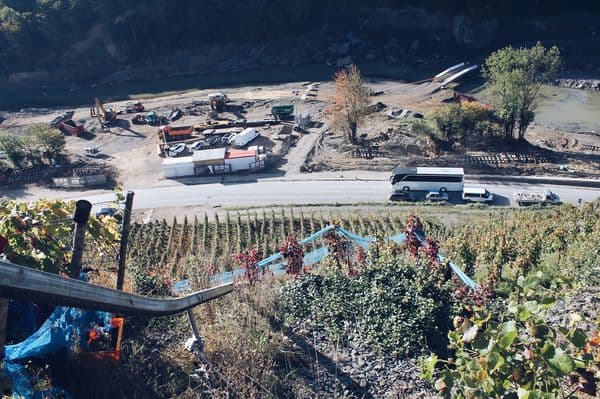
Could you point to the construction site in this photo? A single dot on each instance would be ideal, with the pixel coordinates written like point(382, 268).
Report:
point(283, 130)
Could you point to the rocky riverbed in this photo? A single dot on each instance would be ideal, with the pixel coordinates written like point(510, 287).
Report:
point(588, 84)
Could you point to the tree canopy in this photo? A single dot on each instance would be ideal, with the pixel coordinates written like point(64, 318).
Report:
point(350, 102)
point(514, 78)
point(48, 33)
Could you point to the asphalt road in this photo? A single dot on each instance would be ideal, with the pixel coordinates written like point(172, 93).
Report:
point(304, 192)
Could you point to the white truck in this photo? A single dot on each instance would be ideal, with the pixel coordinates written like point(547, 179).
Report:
point(244, 137)
point(533, 197)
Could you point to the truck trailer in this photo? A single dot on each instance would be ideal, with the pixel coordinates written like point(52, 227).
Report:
point(175, 133)
point(244, 137)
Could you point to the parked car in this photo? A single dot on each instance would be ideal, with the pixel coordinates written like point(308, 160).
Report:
point(199, 145)
point(225, 139)
point(436, 196)
point(175, 114)
point(112, 212)
point(403, 195)
point(214, 141)
point(93, 152)
point(477, 194)
point(177, 150)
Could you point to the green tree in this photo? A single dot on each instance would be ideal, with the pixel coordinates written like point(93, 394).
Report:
point(514, 78)
point(51, 142)
point(462, 123)
point(13, 148)
point(350, 102)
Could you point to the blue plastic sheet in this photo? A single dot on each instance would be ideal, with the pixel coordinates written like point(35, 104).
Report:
point(65, 328)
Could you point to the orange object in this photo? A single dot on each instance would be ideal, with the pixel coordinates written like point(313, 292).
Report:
point(172, 133)
point(115, 354)
point(595, 340)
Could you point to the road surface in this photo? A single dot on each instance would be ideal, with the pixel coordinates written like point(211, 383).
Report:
point(282, 192)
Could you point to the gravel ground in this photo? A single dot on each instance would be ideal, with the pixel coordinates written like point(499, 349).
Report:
point(356, 371)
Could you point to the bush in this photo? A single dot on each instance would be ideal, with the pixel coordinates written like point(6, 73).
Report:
point(464, 123)
point(513, 352)
point(396, 304)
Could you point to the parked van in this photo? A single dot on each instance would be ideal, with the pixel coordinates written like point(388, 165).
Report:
point(244, 137)
point(476, 194)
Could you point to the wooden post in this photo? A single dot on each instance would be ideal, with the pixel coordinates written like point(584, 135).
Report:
point(81, 217)
point(3, 320)
point(124, 239)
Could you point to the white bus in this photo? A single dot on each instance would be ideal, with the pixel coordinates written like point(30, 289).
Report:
point(427, 179)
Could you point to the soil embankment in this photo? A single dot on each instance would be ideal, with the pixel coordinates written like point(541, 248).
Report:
point(393, 42)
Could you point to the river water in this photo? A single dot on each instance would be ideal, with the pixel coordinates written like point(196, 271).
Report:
point(569, 109)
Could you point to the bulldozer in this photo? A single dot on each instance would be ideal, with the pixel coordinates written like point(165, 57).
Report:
point(105, 117)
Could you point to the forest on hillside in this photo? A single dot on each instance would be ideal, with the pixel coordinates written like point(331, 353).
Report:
point(41, 34)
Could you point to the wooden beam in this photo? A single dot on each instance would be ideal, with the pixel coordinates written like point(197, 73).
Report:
point(22, 282)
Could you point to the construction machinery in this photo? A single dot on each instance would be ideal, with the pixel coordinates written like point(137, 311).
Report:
point(175, 133)
point(153, 119)
point(137, 107)
point(212, 125)
point(65, 124)
point(460, 98)
point(217, 102)
point(283, 112)
point(104, 116)
point(139, 119)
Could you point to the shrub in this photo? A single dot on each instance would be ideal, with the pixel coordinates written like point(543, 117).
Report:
point(512, 352)
point(396, 304)
point(464, 123)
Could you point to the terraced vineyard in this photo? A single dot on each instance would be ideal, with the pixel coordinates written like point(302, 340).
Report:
point(218, 238)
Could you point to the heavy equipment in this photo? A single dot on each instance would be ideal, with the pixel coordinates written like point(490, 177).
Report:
point(137, 107)
point(153, 119)
point(175, 133)
point(283, 112)
point(217, 102)
point(65, 124)
point(460, 97)
point(105, 117)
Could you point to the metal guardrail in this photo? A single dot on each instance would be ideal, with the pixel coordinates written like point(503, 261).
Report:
point(22, 282)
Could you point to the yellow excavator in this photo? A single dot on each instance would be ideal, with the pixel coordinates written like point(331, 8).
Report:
point(105, 117)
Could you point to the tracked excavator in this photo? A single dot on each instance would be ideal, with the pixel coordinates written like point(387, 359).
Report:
point(104, 116)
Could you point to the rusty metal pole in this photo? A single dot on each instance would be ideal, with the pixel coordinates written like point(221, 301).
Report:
point(81, 217)
point(124, 240)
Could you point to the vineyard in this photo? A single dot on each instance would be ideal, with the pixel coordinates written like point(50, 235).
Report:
point(218, 239)
point(482, 243)
point(521, 258)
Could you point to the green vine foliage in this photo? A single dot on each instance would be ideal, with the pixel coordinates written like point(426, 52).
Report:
point(512, 352)
point(395, 303)
point(39, 234)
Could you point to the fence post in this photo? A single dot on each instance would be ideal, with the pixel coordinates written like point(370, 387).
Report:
point(124, 240)
point(81, 217)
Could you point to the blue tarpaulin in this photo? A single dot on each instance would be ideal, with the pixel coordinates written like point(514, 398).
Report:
point(65, 328)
